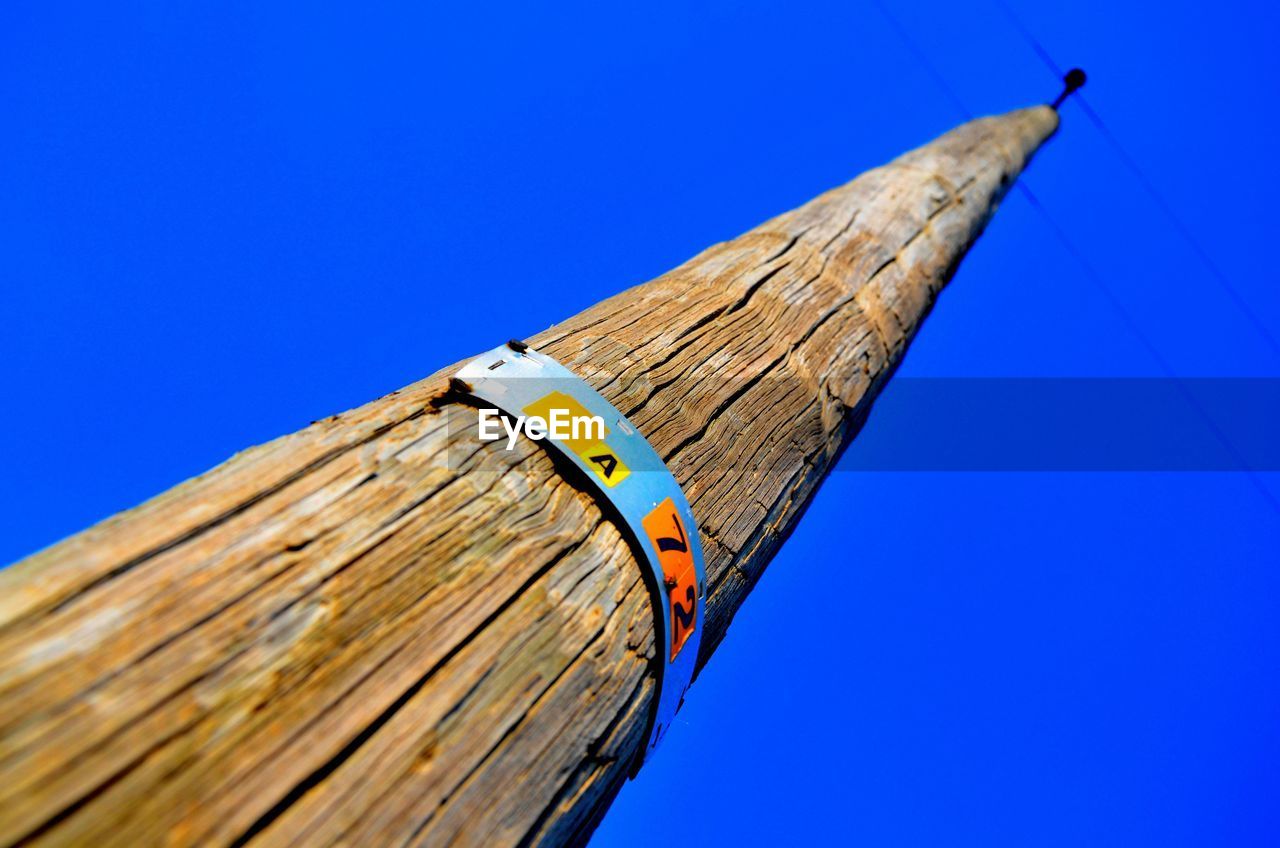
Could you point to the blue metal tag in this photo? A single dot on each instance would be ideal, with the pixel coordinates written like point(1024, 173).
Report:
point(628, 474)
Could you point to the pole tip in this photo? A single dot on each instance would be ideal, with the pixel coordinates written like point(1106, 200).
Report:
point(1072, 82)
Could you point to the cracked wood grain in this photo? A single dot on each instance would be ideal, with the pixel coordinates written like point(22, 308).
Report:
point(378, 631)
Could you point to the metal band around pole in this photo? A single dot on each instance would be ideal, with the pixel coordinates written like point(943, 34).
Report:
point(627, 474)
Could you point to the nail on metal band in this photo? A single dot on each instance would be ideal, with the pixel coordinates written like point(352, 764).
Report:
point(626, 473)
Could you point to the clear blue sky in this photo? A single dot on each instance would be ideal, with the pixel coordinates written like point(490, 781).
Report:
point(219, 222)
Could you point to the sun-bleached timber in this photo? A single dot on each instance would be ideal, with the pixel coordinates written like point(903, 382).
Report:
point(371, 632)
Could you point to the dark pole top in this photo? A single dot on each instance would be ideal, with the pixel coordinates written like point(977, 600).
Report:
point(1073, 81)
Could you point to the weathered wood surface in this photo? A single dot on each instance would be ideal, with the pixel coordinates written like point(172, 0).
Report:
point(345, 637)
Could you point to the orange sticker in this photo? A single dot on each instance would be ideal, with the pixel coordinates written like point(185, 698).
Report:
point(667, 535)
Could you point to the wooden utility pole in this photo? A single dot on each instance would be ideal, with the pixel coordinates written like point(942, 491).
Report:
point(380, 631)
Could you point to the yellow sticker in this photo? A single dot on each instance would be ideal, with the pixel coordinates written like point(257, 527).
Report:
point(606, 464)
point(584, 438)
point(574, 420)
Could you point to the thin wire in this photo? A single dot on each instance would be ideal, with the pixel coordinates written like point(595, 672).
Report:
point(1031, 39)
point(1163, 364)
point(1096, 278)
point(924, 60)
point(1148, 186)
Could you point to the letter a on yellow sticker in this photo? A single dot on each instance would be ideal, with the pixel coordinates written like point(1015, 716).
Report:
point(599, 457)
point(606, 464)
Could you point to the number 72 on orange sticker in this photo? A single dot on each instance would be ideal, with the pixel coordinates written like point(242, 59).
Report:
point(671, 543)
